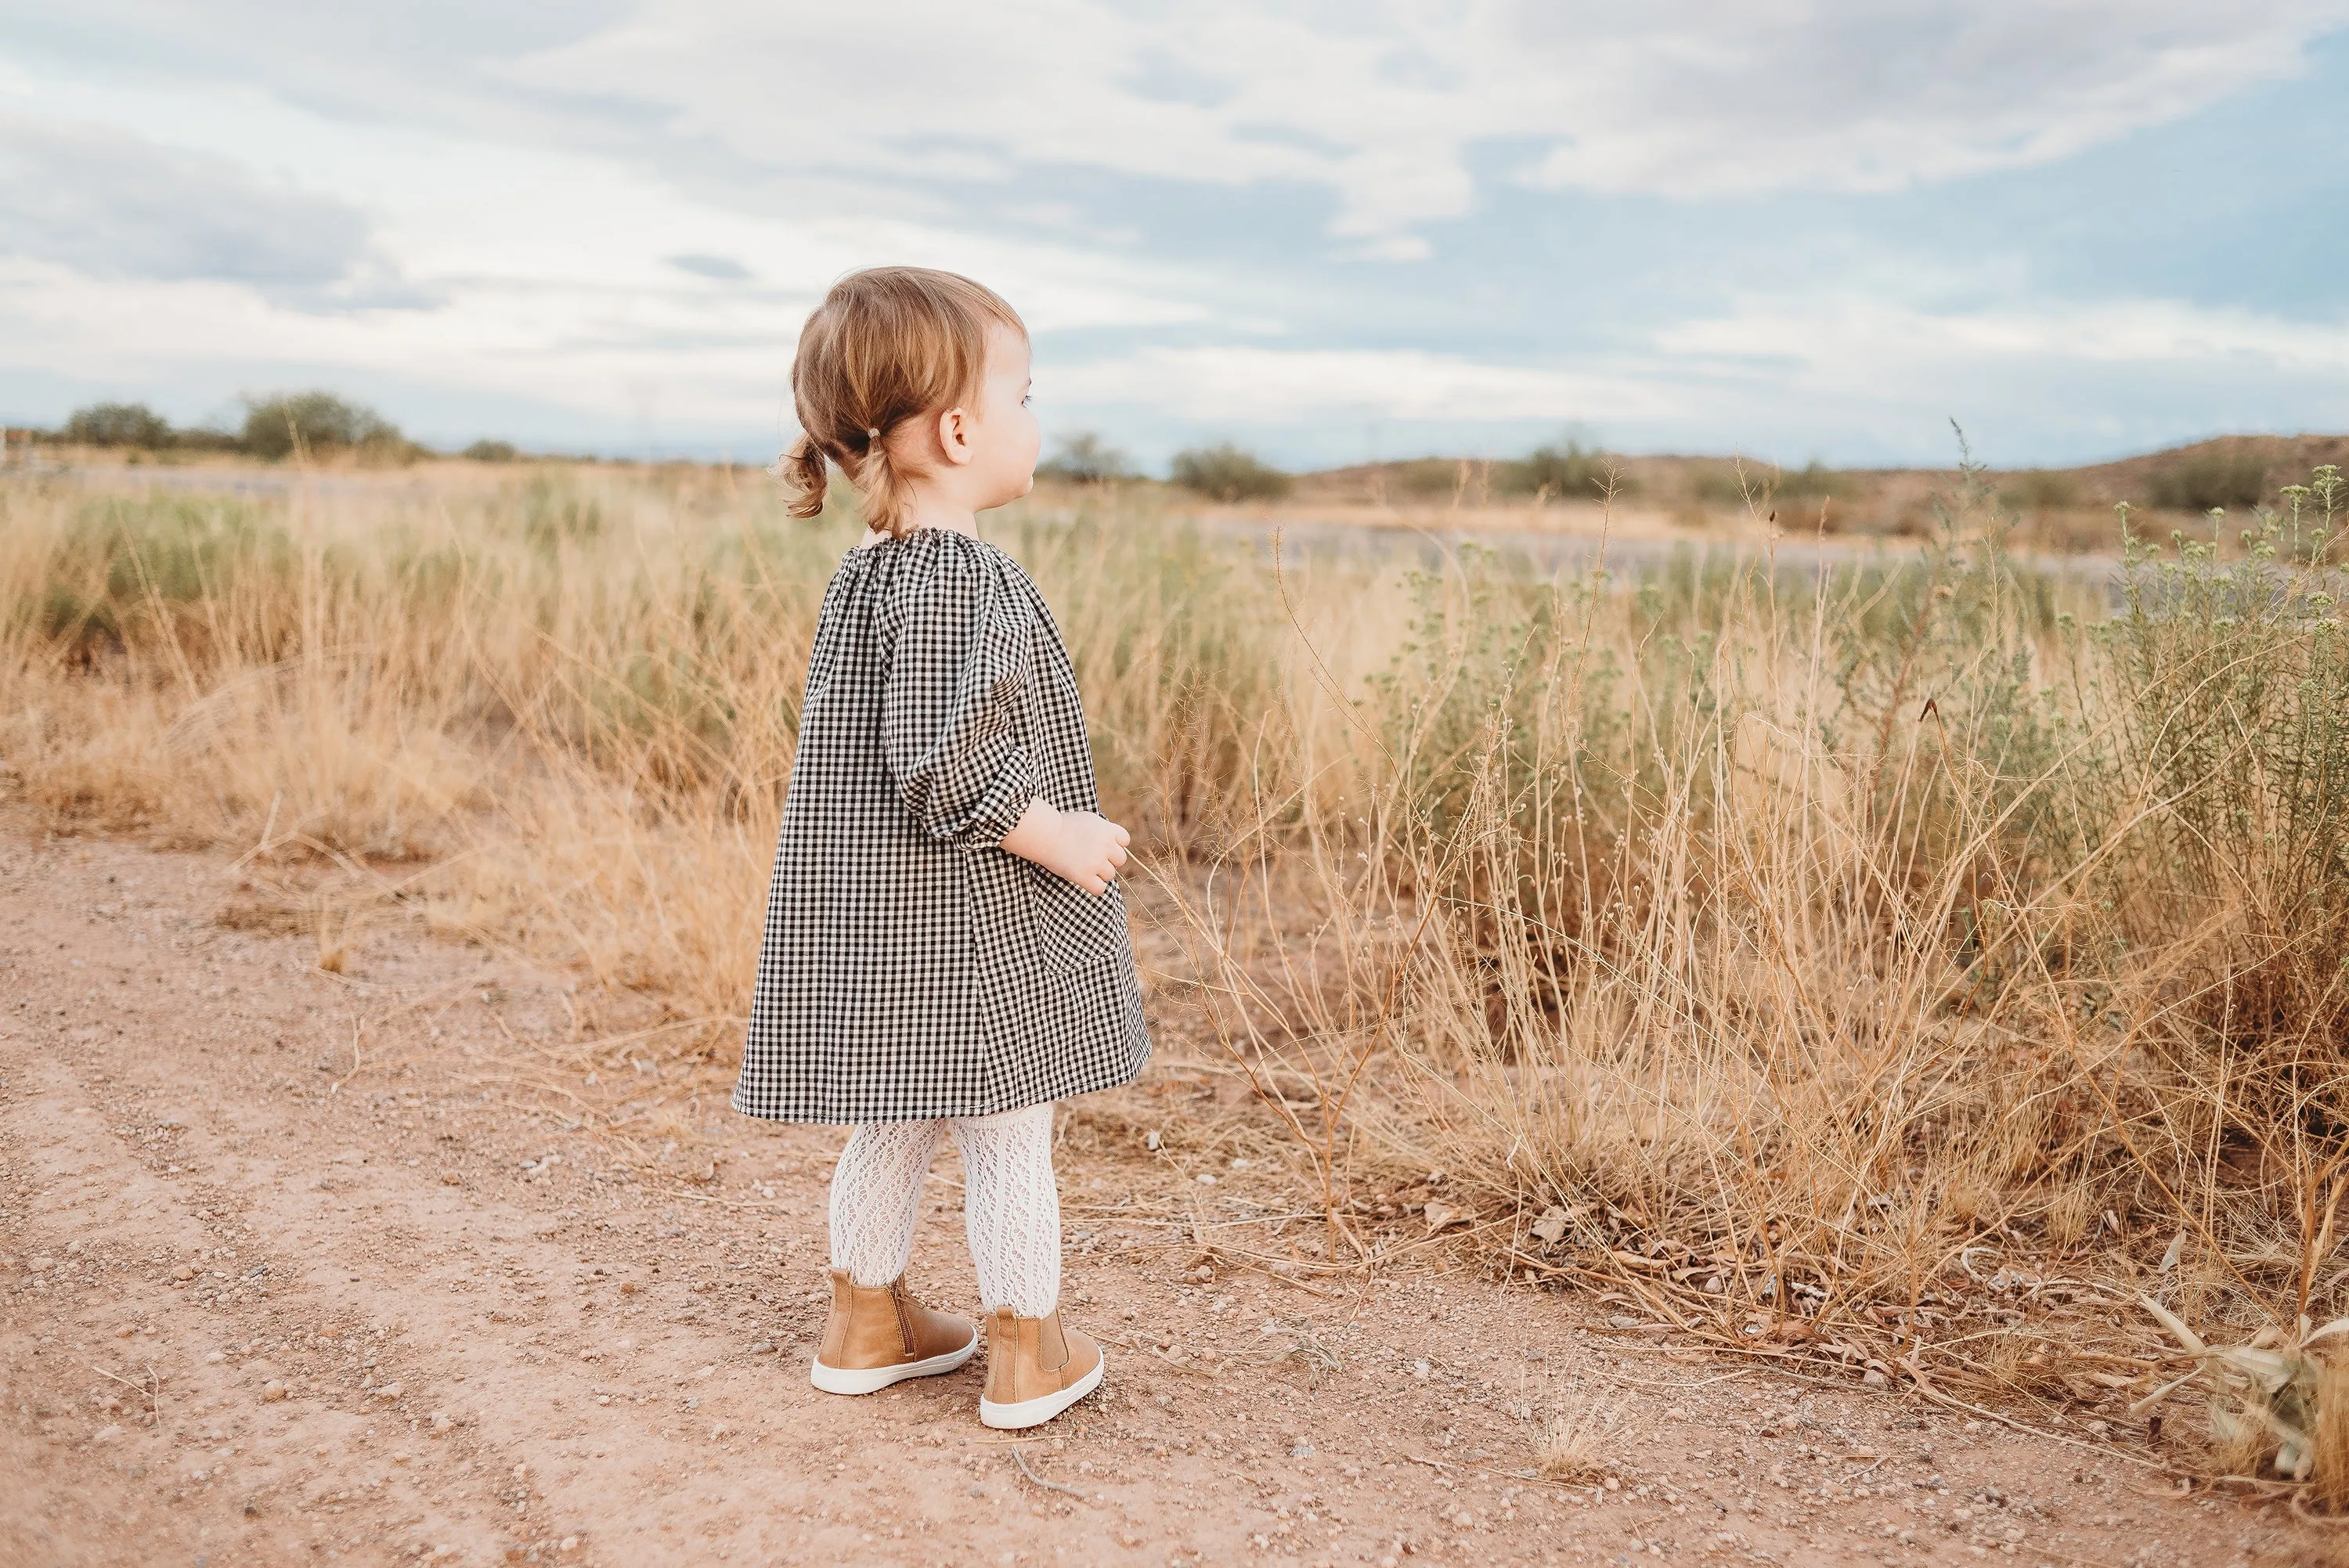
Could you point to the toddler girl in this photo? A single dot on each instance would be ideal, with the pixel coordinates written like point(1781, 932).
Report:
point(945, 948)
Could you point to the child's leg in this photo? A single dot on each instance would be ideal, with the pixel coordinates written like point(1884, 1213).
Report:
point(1011, 1208)
point(876, 1197)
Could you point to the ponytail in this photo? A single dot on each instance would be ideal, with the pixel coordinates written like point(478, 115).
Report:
point(806, 472)
point(882, 484)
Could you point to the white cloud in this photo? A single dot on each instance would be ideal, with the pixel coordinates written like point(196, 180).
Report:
point(1285, 386)
point(114, 205)
point(1869, 96)
point(1384, 106)
point(1878, 342)
point(1387, 108)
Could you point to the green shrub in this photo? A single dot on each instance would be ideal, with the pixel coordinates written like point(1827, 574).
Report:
point(118, 425)
point(1227, 473)
point(127, 570)
point(1815, 481)
point(2211, 479)
point(2038, 489)
point(554, 512)
point(1730, 484)
point(1423, 478)
point(1566, 470)
point(1085, 459)
point(316, 422)
point(488, 451)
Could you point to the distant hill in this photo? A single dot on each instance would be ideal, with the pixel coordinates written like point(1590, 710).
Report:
point(2232, 472)
point(2067, 506)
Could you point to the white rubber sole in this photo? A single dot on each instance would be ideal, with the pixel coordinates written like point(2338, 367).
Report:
point(1036, 1412)
point(873, 1379)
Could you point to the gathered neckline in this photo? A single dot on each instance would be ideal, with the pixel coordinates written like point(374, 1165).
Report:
point(855, 551)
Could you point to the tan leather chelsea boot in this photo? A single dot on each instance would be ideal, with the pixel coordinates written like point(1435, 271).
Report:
point(1035, 1369)
point(878, 1335)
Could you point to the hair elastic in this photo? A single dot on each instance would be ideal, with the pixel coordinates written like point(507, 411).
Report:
point(872, 435)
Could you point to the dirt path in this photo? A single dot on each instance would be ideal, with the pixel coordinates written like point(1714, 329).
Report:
point(368, 1267)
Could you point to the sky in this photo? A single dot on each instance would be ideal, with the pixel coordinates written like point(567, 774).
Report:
point(1794, 229)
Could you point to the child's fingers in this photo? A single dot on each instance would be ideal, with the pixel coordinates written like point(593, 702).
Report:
point(1117, 857)
point(1124, 837)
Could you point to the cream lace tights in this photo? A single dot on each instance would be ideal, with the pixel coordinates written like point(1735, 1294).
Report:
point(1011, 1208)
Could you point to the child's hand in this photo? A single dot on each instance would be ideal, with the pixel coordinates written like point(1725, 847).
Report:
point(1080, 847)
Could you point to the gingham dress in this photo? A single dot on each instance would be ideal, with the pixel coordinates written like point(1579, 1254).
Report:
point(911, 966)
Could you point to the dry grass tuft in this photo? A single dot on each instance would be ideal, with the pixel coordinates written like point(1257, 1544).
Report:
point(1577, 1446)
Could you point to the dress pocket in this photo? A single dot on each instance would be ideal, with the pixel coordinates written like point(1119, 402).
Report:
point(1074, 928)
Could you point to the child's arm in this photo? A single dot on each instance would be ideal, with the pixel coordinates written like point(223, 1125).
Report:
point(1082, 848)
point(958, 652)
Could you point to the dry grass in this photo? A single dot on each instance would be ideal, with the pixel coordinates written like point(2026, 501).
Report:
point(1858, 969)
point(1577, 1447)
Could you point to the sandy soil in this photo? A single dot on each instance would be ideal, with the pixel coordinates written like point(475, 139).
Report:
point(379, 1267)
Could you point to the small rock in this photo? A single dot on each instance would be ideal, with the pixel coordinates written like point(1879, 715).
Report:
point(1205, 1179)
point(106, 1434)
point(627, 1287)
point(703, 1372)
point(388, 1391)
point(762, 1348)
point(1875, 1380)
point(41, 1266)
point(451, 1179)
point(183, 1274)
point(1300, 1450)
point(568, 1543)
point(216, 1357)
point(441, 1426)
point(1620, 1321)
point(399, 1456)
point(272, 1391)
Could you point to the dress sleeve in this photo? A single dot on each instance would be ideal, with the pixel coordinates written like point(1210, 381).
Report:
point(958, 643)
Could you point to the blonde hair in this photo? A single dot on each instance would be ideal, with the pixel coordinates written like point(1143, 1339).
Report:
point(887, 344)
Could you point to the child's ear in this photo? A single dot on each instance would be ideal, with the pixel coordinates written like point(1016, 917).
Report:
point(954, 436)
